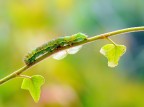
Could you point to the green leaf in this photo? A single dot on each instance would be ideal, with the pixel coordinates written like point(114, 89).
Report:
point(113, 53)
point(33, 85)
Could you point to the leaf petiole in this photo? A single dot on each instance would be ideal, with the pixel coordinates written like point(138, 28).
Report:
point(111, 41)
point(25, 76)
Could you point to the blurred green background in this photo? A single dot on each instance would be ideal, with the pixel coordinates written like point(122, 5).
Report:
point(83, 79)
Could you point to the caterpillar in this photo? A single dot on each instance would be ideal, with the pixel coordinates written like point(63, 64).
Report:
point(52, 46)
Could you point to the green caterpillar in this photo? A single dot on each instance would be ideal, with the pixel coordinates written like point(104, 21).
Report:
point(53, 46)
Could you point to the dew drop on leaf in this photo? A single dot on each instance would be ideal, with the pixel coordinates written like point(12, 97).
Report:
point(60, 55)
point(74, 50)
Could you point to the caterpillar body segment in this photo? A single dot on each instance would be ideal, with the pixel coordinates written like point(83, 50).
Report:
point(53, 46)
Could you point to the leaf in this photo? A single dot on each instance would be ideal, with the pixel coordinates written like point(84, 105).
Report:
point(73, 50)
point(60, 55)
point(33, 85)
point(113, 53)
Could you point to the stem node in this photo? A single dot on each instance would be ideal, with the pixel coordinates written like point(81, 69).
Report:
point(91, 39)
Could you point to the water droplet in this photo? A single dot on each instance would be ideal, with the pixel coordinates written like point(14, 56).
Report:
point(60, 55)
point(74, 50)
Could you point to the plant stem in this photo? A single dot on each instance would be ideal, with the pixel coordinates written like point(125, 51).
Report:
point(122, 31)
point(91, 39)
point(13, 75)
point(25, 76)
point(111, 41)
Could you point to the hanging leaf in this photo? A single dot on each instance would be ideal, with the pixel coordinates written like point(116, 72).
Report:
point(73, 50)
point(113, 53)
point(33, 85)
point(60, 55)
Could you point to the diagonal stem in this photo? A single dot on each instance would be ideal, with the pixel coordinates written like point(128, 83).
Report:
point(14, 74)
point(91, 39)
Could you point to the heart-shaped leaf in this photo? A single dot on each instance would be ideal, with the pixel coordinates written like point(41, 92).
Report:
point(113, 53)
point(33, 85)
